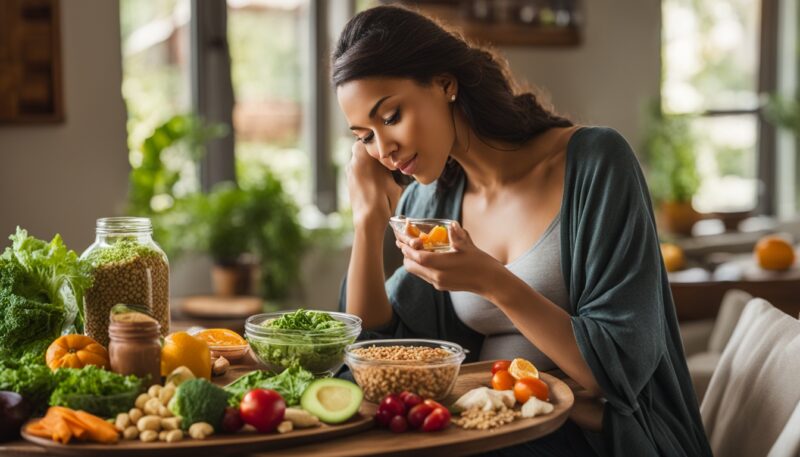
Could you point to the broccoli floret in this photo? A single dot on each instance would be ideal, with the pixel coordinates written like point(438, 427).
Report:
point(197, 400)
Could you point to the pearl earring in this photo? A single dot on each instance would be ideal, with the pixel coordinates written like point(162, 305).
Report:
point(452, 98)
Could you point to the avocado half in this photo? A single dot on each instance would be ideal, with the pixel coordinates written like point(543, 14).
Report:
point(332, 400)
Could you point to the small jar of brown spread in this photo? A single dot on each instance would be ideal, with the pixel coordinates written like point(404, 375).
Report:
point(135, 346)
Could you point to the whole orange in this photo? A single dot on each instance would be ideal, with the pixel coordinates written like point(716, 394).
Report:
point(673, 256)
point(774, 253)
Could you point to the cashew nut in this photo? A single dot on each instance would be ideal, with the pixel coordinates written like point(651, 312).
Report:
point(200, 430)
point(148, 436)
point(149, 423)
point(131, 433)
point(122, 422)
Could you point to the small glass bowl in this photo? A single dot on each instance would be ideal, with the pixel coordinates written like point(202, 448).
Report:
point(321, 351)
point(421, 228)
point(433, 378)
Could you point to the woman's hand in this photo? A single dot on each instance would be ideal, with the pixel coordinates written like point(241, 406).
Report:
point(373, 192)
point(466, 268)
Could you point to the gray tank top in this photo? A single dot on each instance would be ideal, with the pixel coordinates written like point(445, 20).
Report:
point(540, 268)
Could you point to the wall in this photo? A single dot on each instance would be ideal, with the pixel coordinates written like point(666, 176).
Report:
point(610, 77)
point(61, 177)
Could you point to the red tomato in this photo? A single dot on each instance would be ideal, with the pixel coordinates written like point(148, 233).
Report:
point(526, 388)
point(383, 417)
point(232, 421)
point(399, 424)
point(410, 399)
point(394, 404)
point(438, 419)
point(263, 409)
point(417, 415)
point(501, 365)
point(502, 380)
point(433, 404)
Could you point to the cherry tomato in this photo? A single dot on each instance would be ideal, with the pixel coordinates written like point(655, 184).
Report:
point(394, 404)
point(410, 399)
point(383, 417)
point(399, 424)
point(501, 365)
point(232, 420)
point(417, 415)
point(438, 419)
point(433, 404)
point(263, 409)
point(526, 388)
point(502, 380)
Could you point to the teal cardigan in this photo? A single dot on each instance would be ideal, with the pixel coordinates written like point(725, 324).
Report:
point(622, 312)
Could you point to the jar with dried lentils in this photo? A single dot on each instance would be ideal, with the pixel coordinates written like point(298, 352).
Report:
point(127, 267)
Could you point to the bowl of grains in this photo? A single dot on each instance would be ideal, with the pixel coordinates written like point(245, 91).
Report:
point(428, 368)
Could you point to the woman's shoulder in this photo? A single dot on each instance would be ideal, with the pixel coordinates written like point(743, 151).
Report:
point(593, 146)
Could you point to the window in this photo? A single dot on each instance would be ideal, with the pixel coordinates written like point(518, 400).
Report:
point(269, 48)
point(711, 62)
point(156, 73)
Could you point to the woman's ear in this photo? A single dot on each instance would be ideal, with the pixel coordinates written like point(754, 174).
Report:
point(448, 84)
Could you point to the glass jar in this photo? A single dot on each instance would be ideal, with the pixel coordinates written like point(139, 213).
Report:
point(135, 347)
point(127, 267)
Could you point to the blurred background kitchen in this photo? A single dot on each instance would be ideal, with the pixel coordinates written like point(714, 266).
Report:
point(216, 119)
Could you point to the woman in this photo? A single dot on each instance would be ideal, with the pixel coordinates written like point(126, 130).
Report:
point(556, 256)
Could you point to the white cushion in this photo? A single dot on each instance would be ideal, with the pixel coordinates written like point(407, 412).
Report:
point(788, 443)
point(733, 302)
point(755, 389)
point(701, 368)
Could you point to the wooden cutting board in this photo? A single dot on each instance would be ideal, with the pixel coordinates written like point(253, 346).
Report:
point(214, 445)
point(211, 307)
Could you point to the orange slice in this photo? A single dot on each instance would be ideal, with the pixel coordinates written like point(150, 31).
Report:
point(411, 229)
point(521, 368)
point(221, 337)
point(438, 235)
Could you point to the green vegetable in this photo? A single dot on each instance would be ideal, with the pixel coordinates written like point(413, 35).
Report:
point(314, 340)
point(34, 382)
point(42, 288)
point(197, 400)
point(95, 390)
point(305, 320)
point(291, 384)
point(120, 252)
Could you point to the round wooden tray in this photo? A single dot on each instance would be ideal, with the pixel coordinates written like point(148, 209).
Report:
point(451, 442)
point(334, 440)
point(214, 445)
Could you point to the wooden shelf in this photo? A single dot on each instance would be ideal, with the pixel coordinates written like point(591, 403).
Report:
point(500, 34)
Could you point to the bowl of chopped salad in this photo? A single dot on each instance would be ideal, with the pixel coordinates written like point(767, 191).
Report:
point(314, 340)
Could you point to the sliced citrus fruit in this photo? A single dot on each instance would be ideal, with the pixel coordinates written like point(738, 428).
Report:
point(411, 229)
point(521, 368)
point(438, 235)
point(221, 337)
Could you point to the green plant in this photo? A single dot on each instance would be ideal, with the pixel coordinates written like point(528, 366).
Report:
point(261, 220)
point(670, 156)
point(784, 112)
point(163, 180)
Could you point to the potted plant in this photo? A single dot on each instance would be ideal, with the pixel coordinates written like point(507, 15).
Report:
point(672, 171)
point(251, 233)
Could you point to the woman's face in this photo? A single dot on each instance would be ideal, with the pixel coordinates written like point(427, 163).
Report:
point(404, 125)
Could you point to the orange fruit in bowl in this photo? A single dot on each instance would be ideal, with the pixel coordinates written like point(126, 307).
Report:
point(438, 235)
point(774, 253)
point(221, 337)
point(673, 256)
point(521, 368)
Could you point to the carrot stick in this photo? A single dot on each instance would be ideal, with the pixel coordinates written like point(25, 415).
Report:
point(37, 429)
point(99, 430)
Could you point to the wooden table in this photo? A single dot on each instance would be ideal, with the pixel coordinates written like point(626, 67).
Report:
point(453, 442)
point(701, 300)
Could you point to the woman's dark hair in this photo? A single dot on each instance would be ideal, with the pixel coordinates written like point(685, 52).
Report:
point(392, 41)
